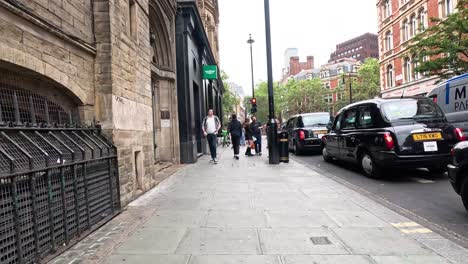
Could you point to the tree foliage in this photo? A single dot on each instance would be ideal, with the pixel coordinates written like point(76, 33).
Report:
point(445, 43)
point(367, 85)
point(305, 96)
point(230, 100)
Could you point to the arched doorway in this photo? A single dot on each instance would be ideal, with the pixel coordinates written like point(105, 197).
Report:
point(162, 41)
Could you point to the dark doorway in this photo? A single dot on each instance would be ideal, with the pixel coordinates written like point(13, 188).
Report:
point(198, 118)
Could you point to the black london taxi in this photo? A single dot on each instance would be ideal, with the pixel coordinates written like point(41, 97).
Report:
point(410, 132)
point(458, 171)
point(306, 131)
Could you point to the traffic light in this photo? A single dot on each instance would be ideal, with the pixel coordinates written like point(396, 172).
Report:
point(254, 105)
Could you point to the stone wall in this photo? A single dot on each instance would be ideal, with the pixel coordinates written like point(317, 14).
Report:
point(130, 121)
point(72, 16)
point(106, 71)
point(25, 45)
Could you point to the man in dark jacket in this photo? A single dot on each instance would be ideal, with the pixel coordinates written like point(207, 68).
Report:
point(257, 133)
point(235, 129)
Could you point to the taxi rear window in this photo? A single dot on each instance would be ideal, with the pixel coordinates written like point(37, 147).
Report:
point(410, 109)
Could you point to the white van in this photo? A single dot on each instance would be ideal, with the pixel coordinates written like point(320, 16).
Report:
point(451, 96)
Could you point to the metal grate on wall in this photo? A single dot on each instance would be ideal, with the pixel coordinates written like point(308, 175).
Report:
point(58, 182)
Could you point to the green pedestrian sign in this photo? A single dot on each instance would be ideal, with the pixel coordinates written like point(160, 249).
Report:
point(210, 72)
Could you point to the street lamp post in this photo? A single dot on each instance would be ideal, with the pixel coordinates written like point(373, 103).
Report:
point(273, 152)
point(350, 76)
point(251, 41)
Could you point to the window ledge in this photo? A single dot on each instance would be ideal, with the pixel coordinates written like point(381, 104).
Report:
point(406, 5)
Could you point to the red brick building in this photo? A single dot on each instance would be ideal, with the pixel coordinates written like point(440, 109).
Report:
point(399, 22)
point(296, 66)
point(359, 48)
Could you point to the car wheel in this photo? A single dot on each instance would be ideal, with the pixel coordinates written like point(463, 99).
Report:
point(464, 193)
point(297, 150)
point(437, 170)
point(326, 156)
point(369, 167)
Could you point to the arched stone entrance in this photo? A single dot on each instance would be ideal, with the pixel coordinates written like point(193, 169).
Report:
point(59, 180)
point(162, 41)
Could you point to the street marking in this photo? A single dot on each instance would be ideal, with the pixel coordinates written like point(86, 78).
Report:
point(405, 224)
point(421, 180)
point(411, 228)
point(417, 230)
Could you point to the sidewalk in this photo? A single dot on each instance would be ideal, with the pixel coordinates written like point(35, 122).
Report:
point(250, 212)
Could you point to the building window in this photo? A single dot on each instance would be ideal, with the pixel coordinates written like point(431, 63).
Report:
point(406, 30)
point(328, 98)
point(448, 7)
point(407, 69)
point(388, 41)
point(132, 18)
point(414, 25)
point(389, 76)
point(416, 75)
point(424, 59)
point(422, 19)
point(387, 8)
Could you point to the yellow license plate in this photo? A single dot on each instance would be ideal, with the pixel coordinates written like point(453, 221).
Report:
point(320, 132)
point(427, 136)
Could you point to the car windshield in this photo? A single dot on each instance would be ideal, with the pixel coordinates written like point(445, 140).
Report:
point(411, 109)
point(314, 120)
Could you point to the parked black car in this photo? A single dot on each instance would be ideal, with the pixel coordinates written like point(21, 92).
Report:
point(392, 133)
point(458, 171)
point(306, 131)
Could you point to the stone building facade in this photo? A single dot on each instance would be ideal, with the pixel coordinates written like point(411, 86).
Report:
point(111, 61)
point(209, 13)
point(359, 48)
point(399, 22)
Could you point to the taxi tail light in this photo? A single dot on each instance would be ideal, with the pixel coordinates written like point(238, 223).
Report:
point(452, 152)
point(301, 135)
point(389, 141)
point(459, 134)
point(324, 138)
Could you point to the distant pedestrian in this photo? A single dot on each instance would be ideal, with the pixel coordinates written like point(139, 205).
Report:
point(248, 138)
point(235, 129)
point(256, 127)
point(210, 127)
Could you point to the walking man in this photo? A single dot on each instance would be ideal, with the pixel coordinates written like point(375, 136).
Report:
point(257, 133)
point(235, 128)
point(210, 127)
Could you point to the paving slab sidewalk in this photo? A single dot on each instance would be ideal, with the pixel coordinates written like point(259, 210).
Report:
point(250, 212)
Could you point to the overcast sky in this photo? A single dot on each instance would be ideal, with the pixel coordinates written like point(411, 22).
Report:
point(312, 26)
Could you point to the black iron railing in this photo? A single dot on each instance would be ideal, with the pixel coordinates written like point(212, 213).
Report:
point(56, 185)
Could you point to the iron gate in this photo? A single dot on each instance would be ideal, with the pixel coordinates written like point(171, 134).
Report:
point(57, 182)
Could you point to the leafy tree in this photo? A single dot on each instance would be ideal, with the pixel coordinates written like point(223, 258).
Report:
point(445, 43)
point(304, 96)
point(368, 84)
point(230, 100)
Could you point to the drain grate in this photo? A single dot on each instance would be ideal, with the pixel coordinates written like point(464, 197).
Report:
point(320, 240)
